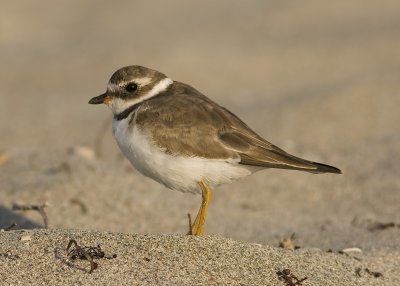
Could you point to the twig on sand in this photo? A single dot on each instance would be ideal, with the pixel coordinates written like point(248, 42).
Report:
point(377, 226)
point(84, 253)
point(288, 243)
point(38, 208)
point(190, 224)
point(373, 273)
point(79, 252)
point(79, 203)
point(289, 279)
point(11, 226)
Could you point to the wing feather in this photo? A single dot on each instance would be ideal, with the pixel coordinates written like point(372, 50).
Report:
point(184, 122)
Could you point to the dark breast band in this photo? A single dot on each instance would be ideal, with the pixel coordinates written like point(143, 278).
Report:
point(124, 114)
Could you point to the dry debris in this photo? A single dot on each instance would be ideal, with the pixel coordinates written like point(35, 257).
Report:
point(289, 279)
point(38, 208)
point(84, 253)
point(190, 224)
point(372, 273)
point(11, 226)
point(382, 226)
point(8, 254)
point(288, 243)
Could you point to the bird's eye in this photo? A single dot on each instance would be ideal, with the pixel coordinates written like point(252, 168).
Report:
point(131, 87)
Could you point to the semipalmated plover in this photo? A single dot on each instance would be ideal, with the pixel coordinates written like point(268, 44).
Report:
point(177, 136)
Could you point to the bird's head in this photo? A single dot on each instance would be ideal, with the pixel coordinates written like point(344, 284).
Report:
point(131, 85)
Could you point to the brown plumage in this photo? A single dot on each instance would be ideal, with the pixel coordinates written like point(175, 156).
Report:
point(195, 119)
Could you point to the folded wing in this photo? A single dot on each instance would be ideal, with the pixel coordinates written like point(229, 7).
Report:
point(184, 122)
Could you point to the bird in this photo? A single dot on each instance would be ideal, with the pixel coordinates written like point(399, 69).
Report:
point(177, 136)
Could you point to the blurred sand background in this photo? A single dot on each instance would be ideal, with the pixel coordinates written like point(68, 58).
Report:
point(319, 79)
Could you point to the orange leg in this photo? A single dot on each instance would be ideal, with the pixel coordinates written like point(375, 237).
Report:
point(197, 228)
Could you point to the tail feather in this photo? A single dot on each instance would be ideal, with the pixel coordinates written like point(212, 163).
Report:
point(323, 168)
point(287, 161)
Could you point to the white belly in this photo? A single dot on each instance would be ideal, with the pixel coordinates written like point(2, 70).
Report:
point(175, 172)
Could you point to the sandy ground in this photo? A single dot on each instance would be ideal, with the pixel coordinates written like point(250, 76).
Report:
point(315, 78)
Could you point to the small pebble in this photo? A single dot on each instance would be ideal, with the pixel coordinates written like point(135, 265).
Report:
point(25, 238)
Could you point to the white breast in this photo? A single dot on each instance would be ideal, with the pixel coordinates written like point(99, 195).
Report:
point(175, 172)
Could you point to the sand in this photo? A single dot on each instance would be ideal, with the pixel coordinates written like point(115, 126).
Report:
point(318, 79)
point(171, 259)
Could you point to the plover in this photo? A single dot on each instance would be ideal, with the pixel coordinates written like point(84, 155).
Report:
point(177, 136)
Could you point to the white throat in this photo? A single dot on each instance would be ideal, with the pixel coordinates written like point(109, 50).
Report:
point(118, 105)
